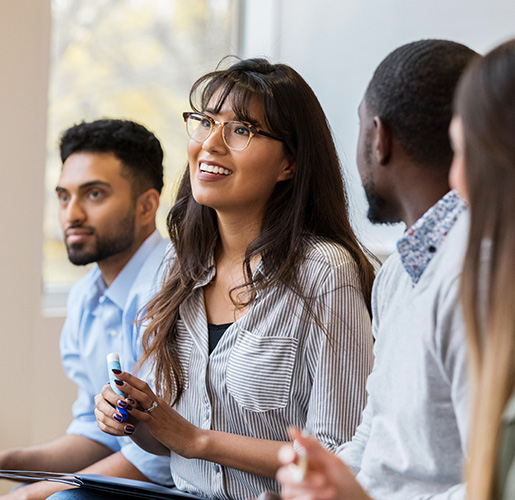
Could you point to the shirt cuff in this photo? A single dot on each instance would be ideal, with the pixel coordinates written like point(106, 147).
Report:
point(91, 431)
point(154, 467)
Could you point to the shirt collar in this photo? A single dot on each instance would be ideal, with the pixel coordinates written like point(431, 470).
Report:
point(96, 290)
point(210, 271)
point(423, 239)
point(119, 290)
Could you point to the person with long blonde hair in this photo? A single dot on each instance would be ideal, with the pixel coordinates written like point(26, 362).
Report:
point(483, 137)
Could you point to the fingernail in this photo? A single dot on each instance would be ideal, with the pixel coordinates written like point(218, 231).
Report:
point(129, 408)
point(116, 371)
point(131, 401)
point(121, 404)
point(118, 382)
point(129, 429)
point(117, 417)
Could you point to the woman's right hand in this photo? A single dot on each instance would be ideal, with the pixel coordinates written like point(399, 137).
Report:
point(108, 418)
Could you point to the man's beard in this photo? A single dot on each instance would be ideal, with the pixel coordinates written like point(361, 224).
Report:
point(378, 212)
point(115, 242)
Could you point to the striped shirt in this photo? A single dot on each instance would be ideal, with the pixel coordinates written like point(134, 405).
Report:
point(275, 367)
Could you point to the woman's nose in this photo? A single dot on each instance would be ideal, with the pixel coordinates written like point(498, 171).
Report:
point(215, 141)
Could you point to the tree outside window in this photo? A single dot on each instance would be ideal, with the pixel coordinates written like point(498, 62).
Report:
point(130, 59)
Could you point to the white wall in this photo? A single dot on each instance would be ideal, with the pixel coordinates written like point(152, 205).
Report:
point(334, 44)
point(33, 389)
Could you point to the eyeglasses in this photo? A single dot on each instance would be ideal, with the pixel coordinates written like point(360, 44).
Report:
point(236, 135)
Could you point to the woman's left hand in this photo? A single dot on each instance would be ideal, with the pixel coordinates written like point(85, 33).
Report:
point(163, 422)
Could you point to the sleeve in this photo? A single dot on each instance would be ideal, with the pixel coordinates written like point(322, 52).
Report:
point(339, 357)
point(84, 422)
point(351, 452)
point(155, 467)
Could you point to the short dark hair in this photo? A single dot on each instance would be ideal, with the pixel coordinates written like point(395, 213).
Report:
point(137, 148)
point(412, 92)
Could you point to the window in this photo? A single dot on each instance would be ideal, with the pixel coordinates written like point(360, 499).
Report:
point(133, 59)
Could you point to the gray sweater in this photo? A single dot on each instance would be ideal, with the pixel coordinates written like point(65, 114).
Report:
point(412, 439)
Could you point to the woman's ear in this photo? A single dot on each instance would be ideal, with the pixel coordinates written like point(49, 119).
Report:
point(288, 169)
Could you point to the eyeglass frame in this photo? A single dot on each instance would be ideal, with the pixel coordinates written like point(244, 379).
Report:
point(253, 129)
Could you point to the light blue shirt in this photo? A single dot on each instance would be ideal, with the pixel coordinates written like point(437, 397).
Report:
point(101, 320)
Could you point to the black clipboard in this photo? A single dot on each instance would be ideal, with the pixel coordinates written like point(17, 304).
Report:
point(118, 485)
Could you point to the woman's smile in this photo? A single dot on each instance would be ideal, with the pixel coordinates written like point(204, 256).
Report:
point(214, 168)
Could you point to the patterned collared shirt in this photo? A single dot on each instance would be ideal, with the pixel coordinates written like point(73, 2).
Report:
point(423, 239)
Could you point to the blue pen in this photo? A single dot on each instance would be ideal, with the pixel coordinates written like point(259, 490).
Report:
point(113, 362)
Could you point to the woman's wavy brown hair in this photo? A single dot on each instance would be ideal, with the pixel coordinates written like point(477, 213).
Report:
point(485, 102)
point(312, 202)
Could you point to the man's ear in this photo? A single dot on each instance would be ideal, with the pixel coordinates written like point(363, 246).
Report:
point(147, 205)
point(382, 141)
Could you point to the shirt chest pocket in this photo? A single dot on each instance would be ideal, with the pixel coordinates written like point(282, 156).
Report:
point(260, 370)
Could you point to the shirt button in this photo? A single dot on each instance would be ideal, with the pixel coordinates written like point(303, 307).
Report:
point(113, 332)
point(102, 299)
point(218, 469)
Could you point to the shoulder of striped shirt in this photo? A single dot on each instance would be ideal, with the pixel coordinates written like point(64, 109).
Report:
point(326, 252)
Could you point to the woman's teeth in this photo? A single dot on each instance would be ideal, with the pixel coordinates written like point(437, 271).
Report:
point(214, 170)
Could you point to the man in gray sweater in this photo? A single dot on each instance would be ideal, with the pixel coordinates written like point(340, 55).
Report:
point(412, 439)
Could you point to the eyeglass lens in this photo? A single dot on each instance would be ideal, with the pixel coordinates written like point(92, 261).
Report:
point(236, 134)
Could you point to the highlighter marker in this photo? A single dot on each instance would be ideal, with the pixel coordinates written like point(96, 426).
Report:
point(113, 361)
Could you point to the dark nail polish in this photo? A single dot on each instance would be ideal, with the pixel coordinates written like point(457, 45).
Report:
point(121, 404)
point(118, 382)
point(131, 401)
point(129, 429)
point(129, 408)
point(117, 417)
point(116, 371)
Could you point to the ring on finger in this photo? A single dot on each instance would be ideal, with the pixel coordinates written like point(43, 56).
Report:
point(152, 407)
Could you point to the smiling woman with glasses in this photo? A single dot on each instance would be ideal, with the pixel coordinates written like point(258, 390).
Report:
point(263, 320)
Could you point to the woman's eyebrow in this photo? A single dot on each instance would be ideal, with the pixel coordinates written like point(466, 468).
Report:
point(252, 121)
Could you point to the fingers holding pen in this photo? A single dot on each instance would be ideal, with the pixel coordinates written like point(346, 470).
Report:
point(164, 423)
point(108, 418)
point(322, 475)
point(140, 400)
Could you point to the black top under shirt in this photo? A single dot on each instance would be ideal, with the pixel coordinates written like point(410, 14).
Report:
point(215, 334)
